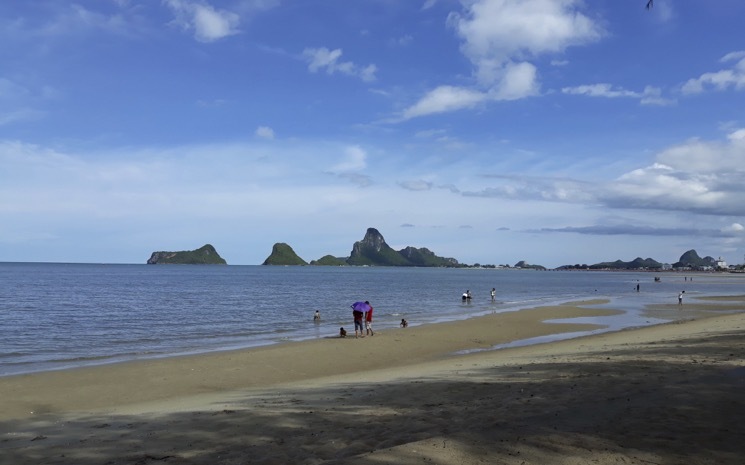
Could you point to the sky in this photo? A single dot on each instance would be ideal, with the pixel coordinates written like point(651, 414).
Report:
point(490, 131)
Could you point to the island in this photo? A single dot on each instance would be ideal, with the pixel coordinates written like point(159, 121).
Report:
point(372, 250)
point(205, 255)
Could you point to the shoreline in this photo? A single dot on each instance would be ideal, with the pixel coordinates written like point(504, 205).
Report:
point(184, 375)
point(161, 378)
point(666, 393)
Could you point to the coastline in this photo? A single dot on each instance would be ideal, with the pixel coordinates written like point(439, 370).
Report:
point(79, 388)
point(402, 396)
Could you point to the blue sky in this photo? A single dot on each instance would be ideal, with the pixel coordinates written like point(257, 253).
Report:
point(491, 131)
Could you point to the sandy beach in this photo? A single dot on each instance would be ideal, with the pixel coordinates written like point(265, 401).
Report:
point(664, 394)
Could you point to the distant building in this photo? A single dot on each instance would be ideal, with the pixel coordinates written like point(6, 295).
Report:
point(721, 263)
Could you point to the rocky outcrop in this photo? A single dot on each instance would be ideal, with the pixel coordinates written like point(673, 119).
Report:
point(372, 250)
point(635, 264)
point(205, 255)
point(690, 259)
point(425, 257)
point(282, 254)
point(522, 264)
point(329, 260)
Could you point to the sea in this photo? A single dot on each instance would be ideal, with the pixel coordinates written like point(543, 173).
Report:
point(57, 316)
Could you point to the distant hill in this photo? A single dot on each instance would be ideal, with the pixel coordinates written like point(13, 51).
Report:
point(205, 255)
point(372, 250)
point(282, 254)
point(635, 264)
point(690, 259)
point(425, 257)
point(524, 265)
point(329, 260)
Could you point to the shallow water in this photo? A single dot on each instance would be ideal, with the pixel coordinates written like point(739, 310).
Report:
point(62, 315)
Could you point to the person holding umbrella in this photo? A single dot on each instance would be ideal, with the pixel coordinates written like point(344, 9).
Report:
point(358, 313)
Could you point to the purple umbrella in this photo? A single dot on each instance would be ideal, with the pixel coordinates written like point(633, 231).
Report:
point(361, 306)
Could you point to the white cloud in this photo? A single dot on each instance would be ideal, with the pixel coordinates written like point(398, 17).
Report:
point(355, 159)
point(497, 31)
point(650, 95)
point(697, 176)
point(700, 156)
point(498, 38)
point(734, 228)
point(721, 80)
point(443, 99)
point(599, 90)
point(323, 58)
point(519, 80)
point(208, 23)
point(265, 132)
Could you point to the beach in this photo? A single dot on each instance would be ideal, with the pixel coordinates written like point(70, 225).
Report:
point(437, 393)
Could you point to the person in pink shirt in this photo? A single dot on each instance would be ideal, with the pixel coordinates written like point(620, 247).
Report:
point(368, 320)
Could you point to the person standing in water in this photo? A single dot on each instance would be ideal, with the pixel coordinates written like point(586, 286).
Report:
point(493, 293)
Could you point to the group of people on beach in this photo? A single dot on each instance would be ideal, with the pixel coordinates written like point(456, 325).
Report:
point(362, 317)
point(362, 321)
point(466, 297)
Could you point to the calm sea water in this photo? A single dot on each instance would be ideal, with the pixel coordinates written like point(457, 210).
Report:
point(55, 316)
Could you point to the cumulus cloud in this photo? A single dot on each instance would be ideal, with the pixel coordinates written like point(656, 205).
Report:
point(324, 59)
point(700, 156)
point(733, 77)
point(495, 32)
point(734, 228)
point(499, 37)
point(696, 177)
point(707, 177)
point(208, 23)
point(265, 132)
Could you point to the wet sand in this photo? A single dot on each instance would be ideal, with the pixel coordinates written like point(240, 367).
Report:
point(664, 394)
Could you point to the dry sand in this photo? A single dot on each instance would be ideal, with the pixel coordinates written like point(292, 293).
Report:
point(667, 394)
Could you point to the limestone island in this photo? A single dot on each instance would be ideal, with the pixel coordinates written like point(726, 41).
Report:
point(205, 255)
point(372, 250)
